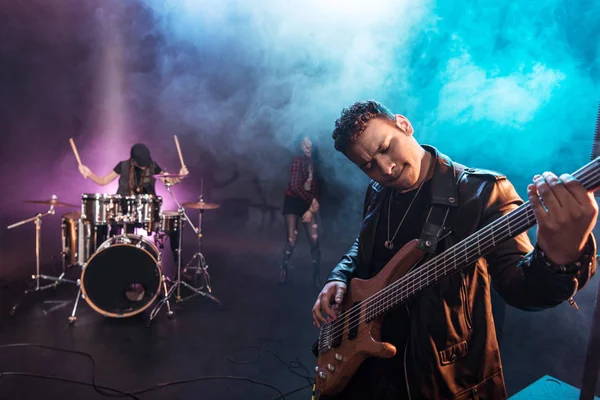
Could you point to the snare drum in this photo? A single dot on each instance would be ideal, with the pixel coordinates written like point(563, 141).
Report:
point(170, 221)
point(99, 208)
point(77, 239)
point(123, 277)
point(142, 210)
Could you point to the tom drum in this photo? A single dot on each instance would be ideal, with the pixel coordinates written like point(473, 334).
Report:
point(170, 221)
point(142, 210)
point(77, 239)
point(99, 208)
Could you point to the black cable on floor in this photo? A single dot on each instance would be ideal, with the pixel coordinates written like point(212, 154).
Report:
point(209, 378)
point(58, 378)
point(97, 388)
point(152, 388)
point(291, 365)
point(294, 391)
point(118, 393)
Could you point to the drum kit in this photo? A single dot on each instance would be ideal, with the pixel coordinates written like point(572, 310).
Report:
point(121, 272)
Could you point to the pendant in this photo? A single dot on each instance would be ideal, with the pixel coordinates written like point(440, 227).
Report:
point(388, 244)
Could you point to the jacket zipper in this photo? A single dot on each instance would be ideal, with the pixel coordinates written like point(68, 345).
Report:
point(463, 292)
point(405, 354)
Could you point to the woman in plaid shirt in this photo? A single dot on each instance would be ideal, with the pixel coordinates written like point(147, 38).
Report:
point(301, 203)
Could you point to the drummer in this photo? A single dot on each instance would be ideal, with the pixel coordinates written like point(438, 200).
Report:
point(136, 177)
point(135, 174)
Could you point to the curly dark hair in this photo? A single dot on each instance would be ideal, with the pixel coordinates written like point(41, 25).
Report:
point(353, 122)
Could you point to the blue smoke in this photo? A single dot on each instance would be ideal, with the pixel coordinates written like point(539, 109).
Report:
point(510, 86)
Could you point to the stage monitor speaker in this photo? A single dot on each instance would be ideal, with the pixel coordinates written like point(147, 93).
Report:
point(548, 388)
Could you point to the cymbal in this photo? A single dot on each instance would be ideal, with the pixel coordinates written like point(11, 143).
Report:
point(51, 202)
point(201, 205)
point(169, 176)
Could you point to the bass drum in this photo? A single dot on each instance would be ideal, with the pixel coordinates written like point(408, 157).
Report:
point(123, 277)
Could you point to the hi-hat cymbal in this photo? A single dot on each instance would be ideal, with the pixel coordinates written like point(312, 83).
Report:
point(51, 202)
point(201, 205)
point(158, 176)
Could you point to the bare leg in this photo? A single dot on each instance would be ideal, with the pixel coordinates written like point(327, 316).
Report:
point(291, 229)
point(312, 231)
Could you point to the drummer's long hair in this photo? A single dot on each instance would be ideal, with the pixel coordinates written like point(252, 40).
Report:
point(132, 189)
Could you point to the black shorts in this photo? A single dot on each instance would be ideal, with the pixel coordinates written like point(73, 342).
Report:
point(294, 205)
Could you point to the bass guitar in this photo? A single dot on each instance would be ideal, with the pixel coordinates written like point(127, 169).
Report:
point(355, 335)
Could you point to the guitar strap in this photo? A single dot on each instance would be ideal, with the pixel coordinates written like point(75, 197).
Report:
point(433, 227)
point(443, 197)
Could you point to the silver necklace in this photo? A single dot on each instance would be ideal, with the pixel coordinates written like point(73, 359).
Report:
point(389, 243)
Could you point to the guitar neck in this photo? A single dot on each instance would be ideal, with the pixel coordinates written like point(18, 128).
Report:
point(468, 250)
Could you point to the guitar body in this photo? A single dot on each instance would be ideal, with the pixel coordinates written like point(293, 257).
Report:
point(352, 339)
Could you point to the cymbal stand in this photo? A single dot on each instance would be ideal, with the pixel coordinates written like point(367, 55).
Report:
point(178, 283)
point(202, 267)
point(38, 226)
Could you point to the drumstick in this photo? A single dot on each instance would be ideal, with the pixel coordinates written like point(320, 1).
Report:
point(179, 151)
point(75, 151)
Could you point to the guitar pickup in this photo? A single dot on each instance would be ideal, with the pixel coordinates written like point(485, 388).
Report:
point(337, 331)
point(353, 321)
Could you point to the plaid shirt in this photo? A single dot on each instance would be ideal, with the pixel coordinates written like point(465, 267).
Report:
point(298, 177)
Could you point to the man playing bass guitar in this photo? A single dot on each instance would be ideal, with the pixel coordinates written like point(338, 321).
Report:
point(444, 338)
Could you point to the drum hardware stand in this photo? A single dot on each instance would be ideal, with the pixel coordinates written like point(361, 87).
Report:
point(80, 295)
point(72, 317)
point(178, 283)
point(38, 226)
point(202, 267)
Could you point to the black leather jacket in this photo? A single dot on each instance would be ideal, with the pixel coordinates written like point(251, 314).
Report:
point(452, 350)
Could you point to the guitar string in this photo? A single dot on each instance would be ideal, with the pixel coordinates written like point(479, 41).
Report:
point(403, 283)
point(499, 221)
point(411, 283)
point(476, 239)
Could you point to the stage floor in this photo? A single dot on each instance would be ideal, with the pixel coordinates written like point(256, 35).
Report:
point(262, 332)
